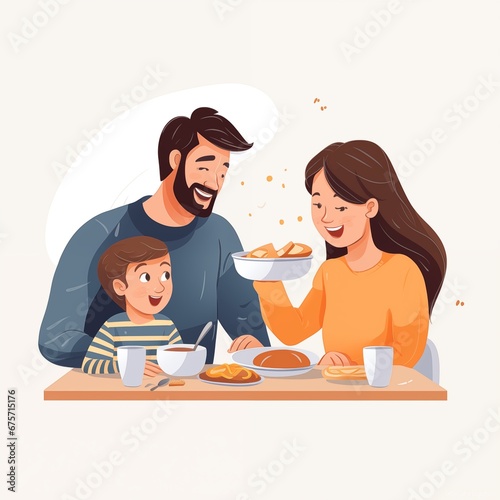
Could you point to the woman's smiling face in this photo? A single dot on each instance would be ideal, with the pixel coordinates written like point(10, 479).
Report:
point(340, 223)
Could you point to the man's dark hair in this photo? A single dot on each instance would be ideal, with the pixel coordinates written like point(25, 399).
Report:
point(181, 133)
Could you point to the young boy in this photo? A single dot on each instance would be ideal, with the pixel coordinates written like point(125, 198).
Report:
point(135, 273)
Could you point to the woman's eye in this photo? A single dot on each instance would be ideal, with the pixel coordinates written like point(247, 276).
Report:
point(341, 209)
point(165, 276)
point(203, 168)
point(144, 278)
point(222, 176)
point(319, 205)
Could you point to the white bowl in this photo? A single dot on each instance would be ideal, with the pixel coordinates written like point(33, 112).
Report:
point(245, 358)
point(181, 363)
point(282, 269)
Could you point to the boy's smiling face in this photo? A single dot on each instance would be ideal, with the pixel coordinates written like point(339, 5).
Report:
point(149, 285)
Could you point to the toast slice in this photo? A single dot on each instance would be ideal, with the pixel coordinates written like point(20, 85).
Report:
point(264, 252)
point(284, 250)
point(298, 250)
point(356, 372)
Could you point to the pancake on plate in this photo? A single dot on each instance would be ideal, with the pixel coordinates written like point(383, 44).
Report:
point(230, 373)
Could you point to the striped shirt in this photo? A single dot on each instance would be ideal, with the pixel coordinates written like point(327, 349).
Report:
point(119, 331)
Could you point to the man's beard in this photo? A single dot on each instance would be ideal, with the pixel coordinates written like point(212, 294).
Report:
point(184, 194)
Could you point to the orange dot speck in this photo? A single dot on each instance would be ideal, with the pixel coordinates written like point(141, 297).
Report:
point(282, 221)
point(269, 178)
point(282, 185)
point(242, 183)
point(249, 215)
point(299, 218)
point(461, 303)
point(457, 302)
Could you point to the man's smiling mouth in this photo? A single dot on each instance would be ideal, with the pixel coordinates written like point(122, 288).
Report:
point(202, 194)
point(154, 300)
point(336, 232)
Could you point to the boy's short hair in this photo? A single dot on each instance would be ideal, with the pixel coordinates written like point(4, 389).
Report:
point(114, 261)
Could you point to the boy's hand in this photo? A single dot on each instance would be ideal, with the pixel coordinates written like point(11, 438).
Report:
point(152, 369)
point(244, 342)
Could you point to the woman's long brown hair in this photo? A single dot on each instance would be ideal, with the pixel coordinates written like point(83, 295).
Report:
point(360, 170)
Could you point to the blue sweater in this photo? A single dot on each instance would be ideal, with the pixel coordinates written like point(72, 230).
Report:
point(206, 286)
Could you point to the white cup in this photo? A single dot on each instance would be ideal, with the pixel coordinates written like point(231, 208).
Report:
point(131, 363)
point(378, 365)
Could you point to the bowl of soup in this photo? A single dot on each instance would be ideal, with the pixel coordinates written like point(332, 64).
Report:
point(179, 360)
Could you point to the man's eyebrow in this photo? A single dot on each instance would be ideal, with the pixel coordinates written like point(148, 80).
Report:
point(206, 158)
point(166, 263)
point(226, 164)
point(139, 265)
point(316, 194)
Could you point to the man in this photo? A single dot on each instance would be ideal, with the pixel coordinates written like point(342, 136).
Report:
point(193, 155)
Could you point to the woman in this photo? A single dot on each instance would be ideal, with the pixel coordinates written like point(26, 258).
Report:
point(384, 269)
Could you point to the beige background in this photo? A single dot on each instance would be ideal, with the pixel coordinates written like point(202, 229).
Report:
point(429, 57)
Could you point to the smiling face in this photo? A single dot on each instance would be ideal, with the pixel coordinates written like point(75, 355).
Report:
point(200, 177)
point(340, 223)
point(148, 286)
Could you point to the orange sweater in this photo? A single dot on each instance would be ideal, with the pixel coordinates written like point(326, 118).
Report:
point(384, 305)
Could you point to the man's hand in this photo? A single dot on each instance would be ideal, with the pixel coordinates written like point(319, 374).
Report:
point(151, 369)
point(335, 359)
point(244, 342)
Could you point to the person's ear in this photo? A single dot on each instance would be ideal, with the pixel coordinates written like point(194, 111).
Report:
point(119, 287)
point(174, 158)
point(371, 208)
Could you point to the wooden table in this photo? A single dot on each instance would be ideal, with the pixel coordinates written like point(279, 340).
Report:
point(406, 384)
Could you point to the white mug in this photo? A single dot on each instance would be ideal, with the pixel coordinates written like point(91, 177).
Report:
point(378, 365)
point(131, 363)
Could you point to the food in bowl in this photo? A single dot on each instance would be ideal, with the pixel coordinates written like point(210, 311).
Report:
point(287, 263)
point(282, 358)
point(356, 372)
point(290, 250)
point(230, 373)
point(179, 360)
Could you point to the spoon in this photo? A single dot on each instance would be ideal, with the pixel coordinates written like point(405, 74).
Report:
point(205, 330)
point(160, 384)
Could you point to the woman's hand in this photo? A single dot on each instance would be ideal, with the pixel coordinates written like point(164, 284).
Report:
point(335, 359)
point(244, 342)
point(151, 369)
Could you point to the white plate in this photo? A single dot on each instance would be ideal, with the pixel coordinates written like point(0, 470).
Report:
point(245, 358)
point(285, 268)
point(229, 384)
